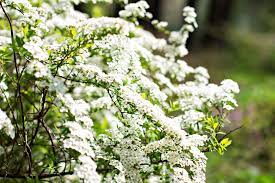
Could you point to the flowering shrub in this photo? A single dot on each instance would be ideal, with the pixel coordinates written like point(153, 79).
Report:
point(103, 100)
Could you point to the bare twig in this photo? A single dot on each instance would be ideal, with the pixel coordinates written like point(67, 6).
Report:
point(231, 131)
point(41, 176)
point(40, 115)
point(109, 93)
point(27, 149)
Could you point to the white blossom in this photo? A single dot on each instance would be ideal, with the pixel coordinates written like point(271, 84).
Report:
point(6, 125)
point(190, 15)
point(87, 170)
point(160, 24)
point(137, 10)
point(230, 86)
point(35, 48)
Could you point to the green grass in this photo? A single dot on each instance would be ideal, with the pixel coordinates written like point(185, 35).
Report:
point(226, 169)
point(255, 87)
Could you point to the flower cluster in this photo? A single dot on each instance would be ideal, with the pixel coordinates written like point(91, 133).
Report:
point(6, 125)
point(103, 99)
point(136, 10)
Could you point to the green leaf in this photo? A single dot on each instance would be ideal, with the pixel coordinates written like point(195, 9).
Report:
point(73, 31)
point(226, 142)
point(215, 125)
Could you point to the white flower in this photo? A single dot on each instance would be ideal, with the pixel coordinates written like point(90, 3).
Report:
point(77, 107)
point(35, 48)
point(181, 175)
point(6, 125)
point(191, 118)
point(39, 69)
point(24, 3)
point(190, 15)
point(137, 9)
point(230, 86)
point(87, 170)
point(3, 86)
point(4, 40)
point(154, 179)
point(181, 50)
point(160, 24)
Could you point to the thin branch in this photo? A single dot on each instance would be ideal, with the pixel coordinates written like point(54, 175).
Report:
point(27, 148)
point(40, 115)
point(47, 129)
point(228, 133)
point(109, 93)
point(231, 131)
point(41, 176)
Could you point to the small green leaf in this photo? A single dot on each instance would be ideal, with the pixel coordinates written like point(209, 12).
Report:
point(215, 125)
point(225, 142)
point(144, 95)
point(73, 31)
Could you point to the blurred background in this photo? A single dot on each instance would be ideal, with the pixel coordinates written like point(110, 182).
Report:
point(235, 39)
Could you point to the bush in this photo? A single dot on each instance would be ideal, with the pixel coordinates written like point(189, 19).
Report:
point(102, 99)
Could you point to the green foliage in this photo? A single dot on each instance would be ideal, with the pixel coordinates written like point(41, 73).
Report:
point(217, 142)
